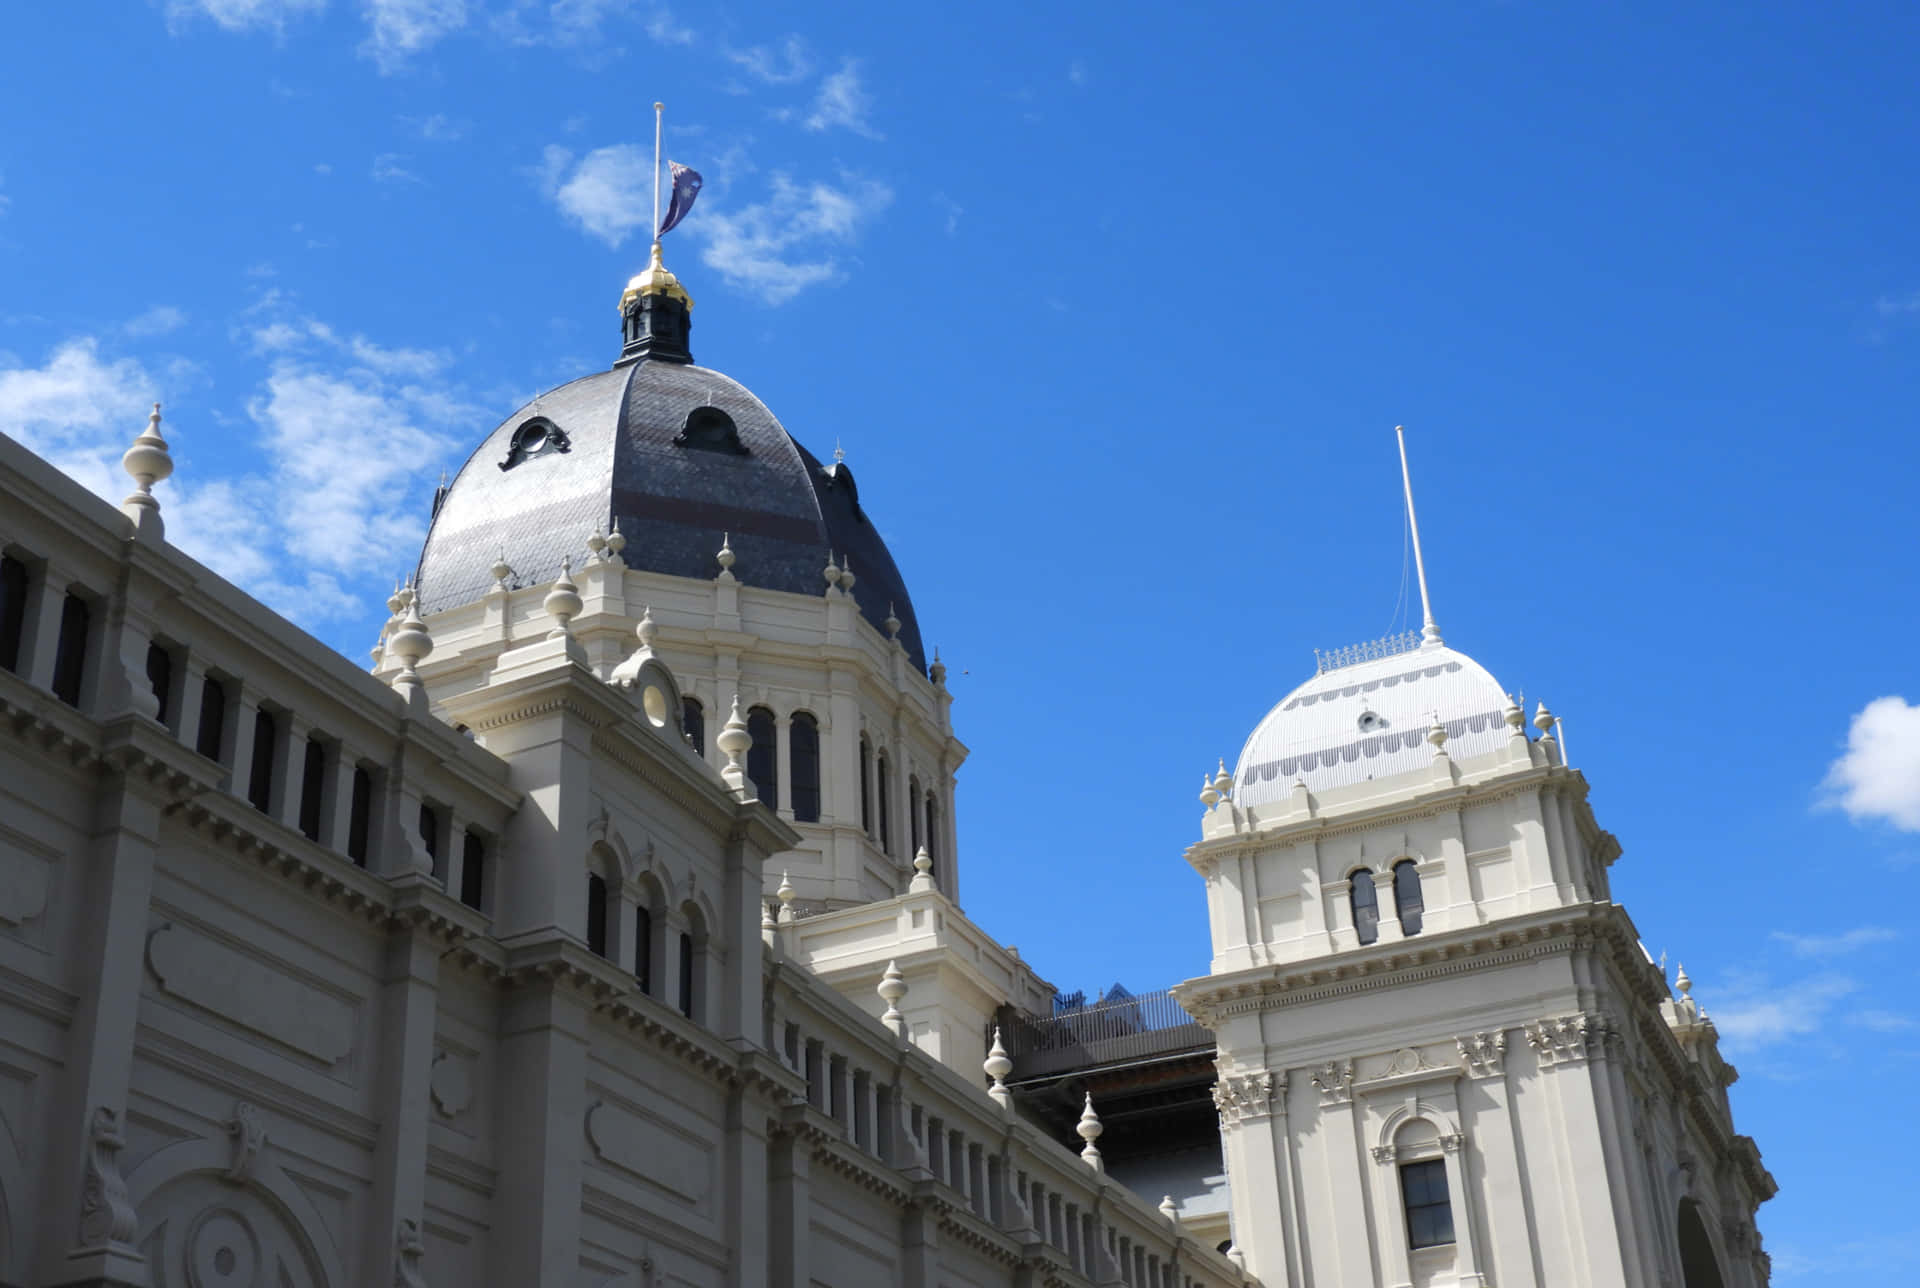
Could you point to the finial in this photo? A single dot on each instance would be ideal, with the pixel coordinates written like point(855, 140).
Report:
point(1430, 632)
point(645, 628)
point(563, 602)
point(1209, 794)
point(893, 987)
point(1684, 983)
point(725, 556)
point(1543, 721)
point(654, 279)
point(596, 545)
point(769, 928)
point(997, 1066)
point(839, 453)
point(1090, 1128)
point(1169, 1209)
point(892, 623)
point(733, 741)
point(831, 572)
point(922, 872)
point(501, 570)
point(396, 602)
point(846, 573)
point(616, 543)
point(147, 462)
point(1515, 717)
point(786, 894)
point(1223, 781)
point(1437, 735)
point(410, 644)
point(938, 671)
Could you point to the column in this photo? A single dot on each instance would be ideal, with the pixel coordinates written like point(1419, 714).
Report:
point(186, 712)
point(243, 704)
point(290, 768)
point(783, 762)
point(410, 1000)
point(40, 641)
point(790, 1220)
point(1466, 1256)
point(541, 1056)
point(336, 796)
point(748, 1219)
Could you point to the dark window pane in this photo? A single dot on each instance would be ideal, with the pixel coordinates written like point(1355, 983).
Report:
point(1366, 906)
point(761, 756)
point(803, 754)
point(213, 719)
point(933, 827)
point(160, 678)
point(1406, 896)
point(1423, 1188)
point(312, 774)
point(866, 785)
point(360, 821)
point(430, 834)
point(13, 610)
point(597, 914)
point(693, 723)
point(686, 974)
point(473, 871)
point(70, 654)
point(260, 774)
point(643, 948)
point(886, 805)
point(913, 812)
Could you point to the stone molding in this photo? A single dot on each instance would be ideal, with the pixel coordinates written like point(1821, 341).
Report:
point(1570, 1039)
point(1249, 1097)
point(1334, 1081)
point(1484, 1054)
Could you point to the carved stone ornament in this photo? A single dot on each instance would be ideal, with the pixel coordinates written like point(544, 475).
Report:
point(450, 1082)
point(409, 1251)
point(107, 1217)
point(1484, 1054)
point(1384, 1154)
point(1247, 1096)
point(1453, 1142)
point(1569, 1039)
point(1334, 1079)
point(247, 1134)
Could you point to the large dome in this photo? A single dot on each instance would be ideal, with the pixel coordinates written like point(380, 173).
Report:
point(681, 457)
point(1370, 719)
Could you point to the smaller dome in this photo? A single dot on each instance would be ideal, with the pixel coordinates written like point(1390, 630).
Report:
point(1369, 720)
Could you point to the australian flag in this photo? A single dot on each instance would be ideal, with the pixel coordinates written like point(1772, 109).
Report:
point(686, 186)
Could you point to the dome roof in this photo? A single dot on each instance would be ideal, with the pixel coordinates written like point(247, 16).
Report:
point(682, 457)
point(1370, 719)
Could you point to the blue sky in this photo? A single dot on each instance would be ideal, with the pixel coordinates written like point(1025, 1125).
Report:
point(1114, 309)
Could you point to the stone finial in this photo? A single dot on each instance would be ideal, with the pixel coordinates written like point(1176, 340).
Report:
point(725, 556)
point(501, 570)
point(1437, 736)
point(616, 543)
point(846, 573)
point(645, 627)
point(397, 602)
point(938, 671)
point(922, 872)
point(831, 573)
point(1089, 1127)
point(1543, 721)
point(769, 927)
point(893, 987)
point(1515, 717)
point(1222, 780)
point(1684, 983)
point(410, 644)
point(786, 894)
point(839, 453)
point(733, 741)
point(892, 623)
point(148, 462)
point(1209, 794)
point(1169, 1209)
point(596, 545)
point(563, 602)
point(997, 1066)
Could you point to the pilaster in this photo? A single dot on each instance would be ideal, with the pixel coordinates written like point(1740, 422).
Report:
point(409, 1003)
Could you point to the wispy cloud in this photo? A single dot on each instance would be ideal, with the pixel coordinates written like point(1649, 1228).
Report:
point(1756, 1015)
point(1836, 945)
point(779, 246)
point(1878, 777)
point(842, 102)
point(437, 128)
point(662, 29)
point(786, 63)
point(1077, 74)
point(161, 319)
point(950, 212)
point(391, 167)
point(1895, 305)
point(399, 29)
point(608, 191)
point(241, 15)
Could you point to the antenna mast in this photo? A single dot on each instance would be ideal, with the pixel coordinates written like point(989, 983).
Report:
point(658, 108)
point(1430, 631)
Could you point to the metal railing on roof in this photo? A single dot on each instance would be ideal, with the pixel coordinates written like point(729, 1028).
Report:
point(1120, 1027)
point(1334, 659)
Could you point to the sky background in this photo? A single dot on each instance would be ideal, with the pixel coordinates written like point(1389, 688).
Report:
point(1114, 309)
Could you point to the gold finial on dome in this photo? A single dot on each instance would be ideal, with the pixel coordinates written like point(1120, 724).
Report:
point(655, 279)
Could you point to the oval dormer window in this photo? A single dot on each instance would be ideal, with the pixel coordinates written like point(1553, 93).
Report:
point(1371, 722)
point(711, 430)
point(536, 437)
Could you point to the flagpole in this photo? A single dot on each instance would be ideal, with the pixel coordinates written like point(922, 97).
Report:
point(1431, 629)
point(658, 108)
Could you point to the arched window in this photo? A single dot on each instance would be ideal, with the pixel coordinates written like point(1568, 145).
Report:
point(13, 610)
point(1423, 1188)
point(160, 678)
point(1366, 906)
point(597, 913)
point(803, 760)
point(211, 734)
point(473, 870)
point(885, 788)
point(913, 812)
point(70, 651)
point(643, 947)
point(360, 815)
point(685, 1001)
point(1406, 896)
point(430, 836)
point(866, 785)
point(761, 757)
point(266, 733)
point(933, 825)
point(693, 723)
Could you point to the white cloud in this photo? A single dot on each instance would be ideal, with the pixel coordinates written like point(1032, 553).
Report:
point(161, 319)
point(242, 15)
point(608, 192)
point(1895, 305)
point(842, 101)
point(437, 128)
point(788, 63)
point(399, 29)
point(1756, 1016)
point(390, 167)
point(1885, 1021)
point(321, 167)
point(778, 247)
point(1878, 777)
point(950, 211)
point(662, 29)
point(1835, 945)
point(1077, 72)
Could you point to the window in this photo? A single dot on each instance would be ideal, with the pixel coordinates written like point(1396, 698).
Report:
point(160, 677)
point(360, 818)
point(643, 948)
point(1423, 1187)
point(711, 430)
point(213, 719)
point(597, 914)
point(761, 757)
point(686, 974)
point(312, 774)
point(1406, 896)
point(430, 835)
point(886, 804)
point(537, 437)
point(933, 826)
point(260, 774)
point(70, 654)
point(693, 723)
point(866, 785)
point(473, 870)
point(803, 758)
point(913, 813)
point(1366, 906)
point(13, 610)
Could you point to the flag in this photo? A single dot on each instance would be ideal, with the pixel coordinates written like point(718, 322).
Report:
point(686, 186)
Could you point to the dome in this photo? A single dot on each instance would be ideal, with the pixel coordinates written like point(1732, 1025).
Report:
point(681, 457)
point(1369, 719)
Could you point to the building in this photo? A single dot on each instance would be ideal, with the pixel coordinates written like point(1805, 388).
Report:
point(607, 931)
